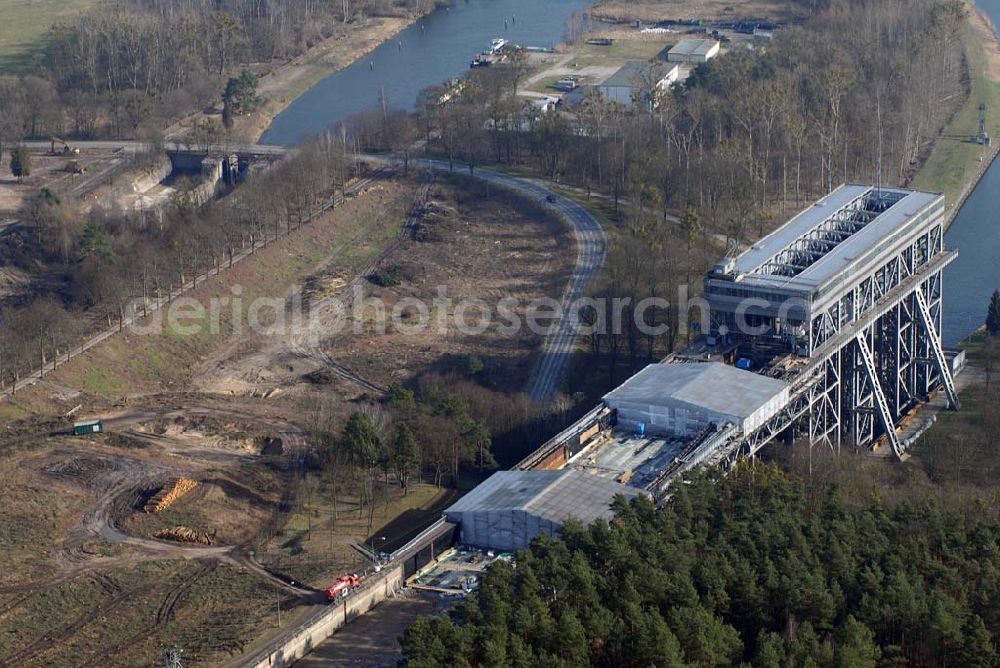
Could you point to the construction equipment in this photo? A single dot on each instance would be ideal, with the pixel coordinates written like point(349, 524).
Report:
point(342, 587)
point(169, 494)
point(66, 148)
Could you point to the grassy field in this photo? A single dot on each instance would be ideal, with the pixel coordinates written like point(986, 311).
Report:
point(955, 160)
point(591, 63)
point(25, 22)
point(621, 51)
point(129, 363)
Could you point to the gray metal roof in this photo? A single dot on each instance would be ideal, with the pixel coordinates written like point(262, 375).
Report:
point(714, 386)
point(692, 47)
point(553, 495)
point(853, 250)
point(635, 70)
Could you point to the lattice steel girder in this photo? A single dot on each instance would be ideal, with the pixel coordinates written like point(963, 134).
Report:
point(900, 292)
point(798, 406)
point(934, 339)
point(880, 401)
point(842, 223)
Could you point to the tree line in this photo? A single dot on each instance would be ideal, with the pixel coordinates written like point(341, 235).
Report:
point(396, 440)
point(857, 93)
point(125, 67)
point(102, 264)
point(744, 569)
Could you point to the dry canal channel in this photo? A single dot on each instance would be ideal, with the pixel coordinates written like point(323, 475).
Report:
point(434, 49)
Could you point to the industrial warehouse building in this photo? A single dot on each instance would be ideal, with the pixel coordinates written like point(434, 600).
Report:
point(636, 80)
point(510, 508)
point(682, 399)
point(693, 51)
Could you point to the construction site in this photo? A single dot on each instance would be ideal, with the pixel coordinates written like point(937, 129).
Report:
point(826, 331)
point(172, 510)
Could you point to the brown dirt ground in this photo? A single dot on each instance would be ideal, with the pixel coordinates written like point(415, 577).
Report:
point(482, 250)
point(71, 598)
point(45, 171)
point(130, 365)
point(134, 602)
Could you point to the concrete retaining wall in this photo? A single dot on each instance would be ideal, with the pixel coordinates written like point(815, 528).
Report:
point(376, 589)
point(211, 181)
point(140, 182)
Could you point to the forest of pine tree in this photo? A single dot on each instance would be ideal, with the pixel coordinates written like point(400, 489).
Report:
point(743, 569)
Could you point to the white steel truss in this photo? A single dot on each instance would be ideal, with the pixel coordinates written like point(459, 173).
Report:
point(935, 346)
point(888, 424)
point(867, 377)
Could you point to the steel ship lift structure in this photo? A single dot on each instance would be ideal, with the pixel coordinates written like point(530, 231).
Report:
point(844, 302)
point(841, 304)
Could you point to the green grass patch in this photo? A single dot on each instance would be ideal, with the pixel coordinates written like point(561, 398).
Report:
point(621, 51)
point(955, 160)
point(602, 208)
point(24, 27)
point(10, 412)
point(974, 345)
point(102, 383)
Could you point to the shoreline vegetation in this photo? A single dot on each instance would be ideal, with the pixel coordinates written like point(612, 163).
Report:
point(954, 165)
point(155, 71)
point(947, 152)
point(286, 83)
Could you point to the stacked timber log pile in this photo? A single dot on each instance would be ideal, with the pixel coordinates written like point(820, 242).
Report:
point(169, 494)
point(184, 535)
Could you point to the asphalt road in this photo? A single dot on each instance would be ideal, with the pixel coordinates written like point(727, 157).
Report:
point(591, 244)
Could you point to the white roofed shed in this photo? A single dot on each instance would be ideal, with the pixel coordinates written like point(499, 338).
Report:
point(510, 508)
point(682, 399)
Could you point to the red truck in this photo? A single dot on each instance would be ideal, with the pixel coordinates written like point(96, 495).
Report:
point(342, 587)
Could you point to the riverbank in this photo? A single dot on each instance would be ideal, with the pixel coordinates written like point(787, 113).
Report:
point(629, 11)
point(955, 164)
point(287, 83)
point(281, 86)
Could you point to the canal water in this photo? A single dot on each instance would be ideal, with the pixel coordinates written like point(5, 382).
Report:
point(975, 234)
point(434, 49)
point(441, 45)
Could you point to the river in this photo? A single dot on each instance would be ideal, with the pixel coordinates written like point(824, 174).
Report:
point(440, 46)
point(432, 50)
point(970, 280)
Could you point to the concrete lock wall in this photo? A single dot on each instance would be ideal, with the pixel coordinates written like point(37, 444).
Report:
point(158, 171)
point(376, 589)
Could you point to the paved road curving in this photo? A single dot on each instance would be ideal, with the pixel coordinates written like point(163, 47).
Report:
point(591, 244)
point(557, 349)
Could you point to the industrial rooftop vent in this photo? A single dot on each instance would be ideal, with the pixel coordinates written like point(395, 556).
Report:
point(839, 226)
